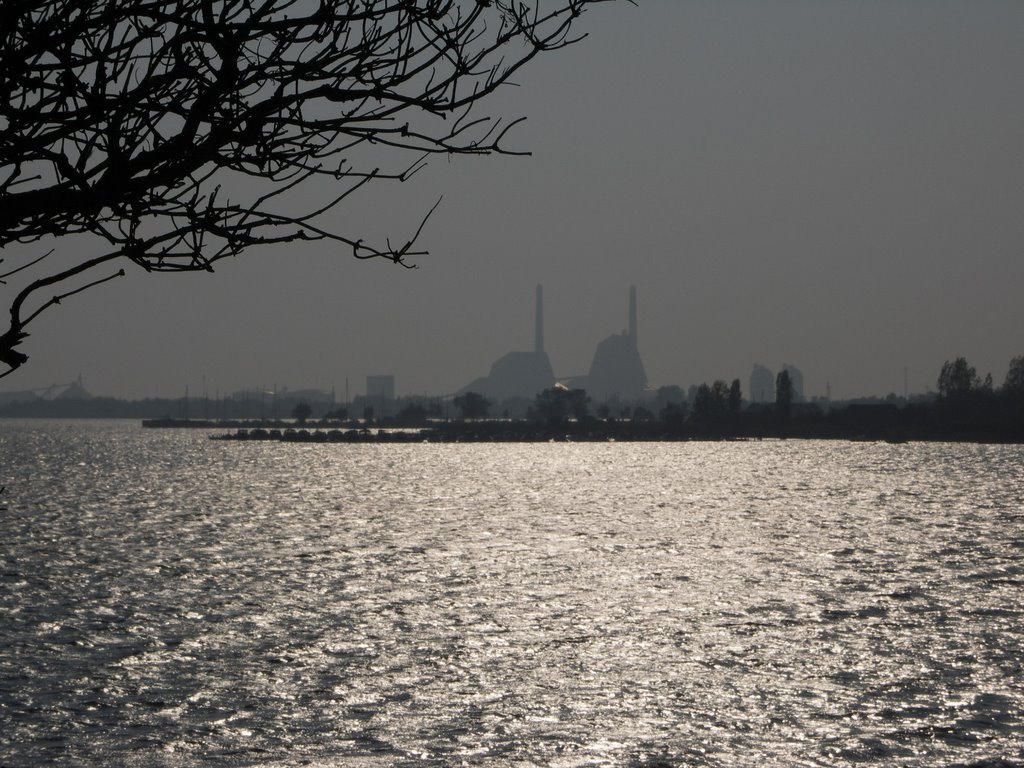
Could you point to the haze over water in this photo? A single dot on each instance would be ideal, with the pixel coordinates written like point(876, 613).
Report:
point(831, 184)
point(172, 601)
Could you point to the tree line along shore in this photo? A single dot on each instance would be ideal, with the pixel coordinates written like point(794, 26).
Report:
point(966, 407)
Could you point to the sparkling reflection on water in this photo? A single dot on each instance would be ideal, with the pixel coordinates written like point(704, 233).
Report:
point(171, 601)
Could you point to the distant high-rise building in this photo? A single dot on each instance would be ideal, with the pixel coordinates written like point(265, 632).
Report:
point(762, 385)
point(382, 386)
point(380, 394)
point(632, 315)
point(538, 324)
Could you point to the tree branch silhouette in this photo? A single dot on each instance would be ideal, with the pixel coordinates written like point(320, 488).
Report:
point(130, 121)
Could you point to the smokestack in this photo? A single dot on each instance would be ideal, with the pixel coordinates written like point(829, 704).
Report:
point(538, 328)
point(632, 313)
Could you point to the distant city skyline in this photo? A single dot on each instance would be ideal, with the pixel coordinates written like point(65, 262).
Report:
point(359, 383)
point(833, 185)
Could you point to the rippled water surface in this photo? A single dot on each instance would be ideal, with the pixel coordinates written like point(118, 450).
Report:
point(167, 600)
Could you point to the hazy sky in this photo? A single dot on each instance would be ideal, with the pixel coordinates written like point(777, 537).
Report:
point(834, 184)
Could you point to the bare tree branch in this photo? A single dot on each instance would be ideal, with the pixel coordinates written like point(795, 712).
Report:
point(127, 121)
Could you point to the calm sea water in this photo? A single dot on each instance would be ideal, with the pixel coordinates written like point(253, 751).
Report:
point(166, 600)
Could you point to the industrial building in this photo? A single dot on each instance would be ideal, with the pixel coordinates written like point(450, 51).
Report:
point(519, 374)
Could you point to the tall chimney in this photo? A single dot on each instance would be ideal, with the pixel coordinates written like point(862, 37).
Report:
point(538, 328)
point(632, 314)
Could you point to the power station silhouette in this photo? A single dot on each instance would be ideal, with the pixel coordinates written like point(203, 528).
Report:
point(519, 374)
point(616, 370)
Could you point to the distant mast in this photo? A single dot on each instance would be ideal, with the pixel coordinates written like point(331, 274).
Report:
point(632, 314)
point(538, 328)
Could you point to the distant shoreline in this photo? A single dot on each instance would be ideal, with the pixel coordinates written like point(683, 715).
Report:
point(995, 422)
point(594, 432)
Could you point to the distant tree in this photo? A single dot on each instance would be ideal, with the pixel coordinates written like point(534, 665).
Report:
point(177, 134)
point(412, 414)
point(579, 404)
point(301, 412)
point(1014, 383)
point(642, 415)
point(668, 394)
point(691, 394)
point(702, 406)
point(472, 405)
point(957, 379)
point(549, 407)
point(673, 415)
point(338, 414)
point(711, 403)
point(720, 398)
point(783, 393)
point(703, 403)
point(735, 398)
point(557, 404)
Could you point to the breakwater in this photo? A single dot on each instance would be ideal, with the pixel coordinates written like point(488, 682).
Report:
point(433, 435)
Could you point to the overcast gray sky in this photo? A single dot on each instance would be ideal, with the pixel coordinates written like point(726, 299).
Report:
point(836, 184)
